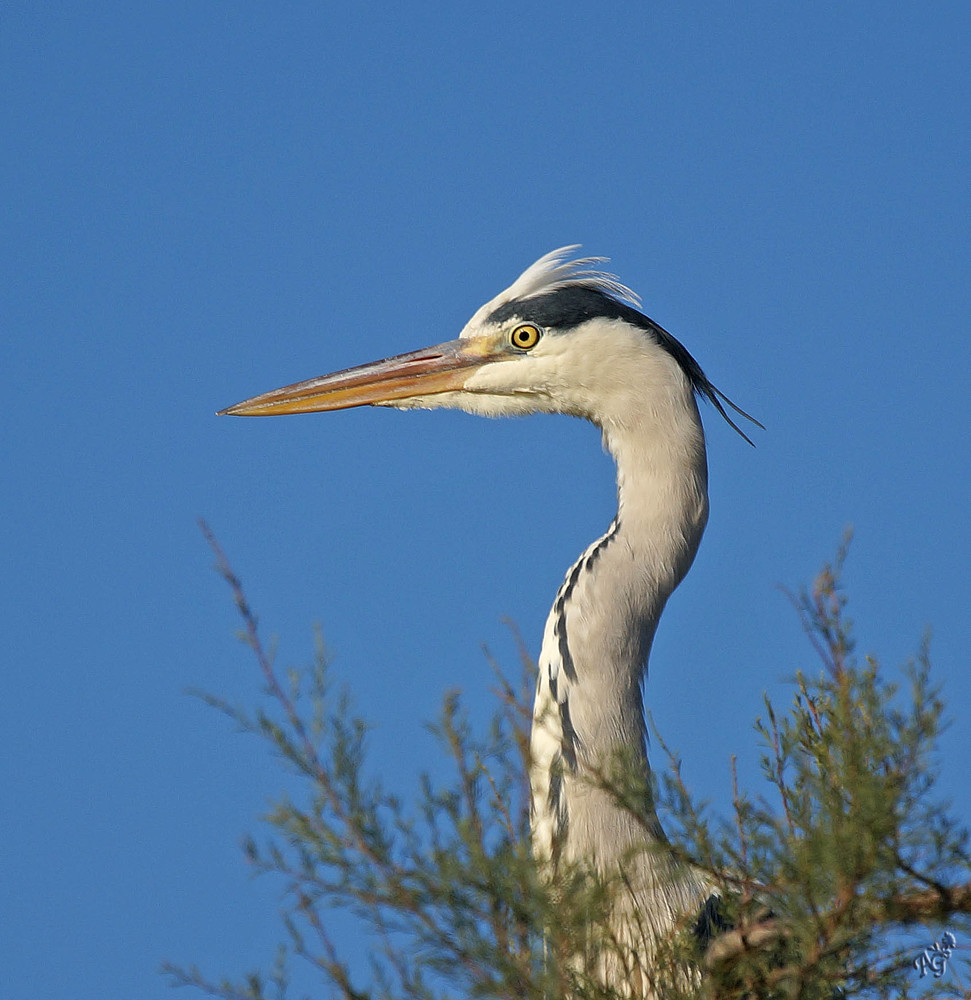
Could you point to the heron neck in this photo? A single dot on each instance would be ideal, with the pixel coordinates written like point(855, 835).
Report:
point(662, 503)
point(619, 596)
point(589, 701)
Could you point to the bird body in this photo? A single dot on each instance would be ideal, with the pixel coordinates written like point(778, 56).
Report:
point(568, 338)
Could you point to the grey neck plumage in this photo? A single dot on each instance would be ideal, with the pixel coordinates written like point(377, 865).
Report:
point(598, 636)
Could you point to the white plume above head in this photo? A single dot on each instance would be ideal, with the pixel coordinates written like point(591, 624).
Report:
point(558, 269)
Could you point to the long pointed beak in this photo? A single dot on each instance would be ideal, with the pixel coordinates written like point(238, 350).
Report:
point(443, 368)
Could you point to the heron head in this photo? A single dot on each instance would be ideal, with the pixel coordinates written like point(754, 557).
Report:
point(565, 337)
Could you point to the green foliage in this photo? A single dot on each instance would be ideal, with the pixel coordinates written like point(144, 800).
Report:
point(816, 877)
point(852, 846)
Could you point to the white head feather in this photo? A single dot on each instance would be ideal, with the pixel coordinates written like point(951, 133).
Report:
point(556, 270)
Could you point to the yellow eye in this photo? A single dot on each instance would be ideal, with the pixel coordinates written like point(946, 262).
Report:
point(525, 337)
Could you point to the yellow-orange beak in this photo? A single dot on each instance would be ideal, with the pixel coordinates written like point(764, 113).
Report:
point(443, 368)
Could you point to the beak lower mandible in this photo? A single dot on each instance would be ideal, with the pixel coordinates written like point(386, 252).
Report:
point(443, 368)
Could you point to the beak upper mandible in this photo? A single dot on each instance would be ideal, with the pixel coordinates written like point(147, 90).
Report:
point(443, 368)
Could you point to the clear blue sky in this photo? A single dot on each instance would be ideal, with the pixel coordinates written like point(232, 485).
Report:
point(203, 201)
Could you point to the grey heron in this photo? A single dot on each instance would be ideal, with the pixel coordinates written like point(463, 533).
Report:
point(567, 337)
